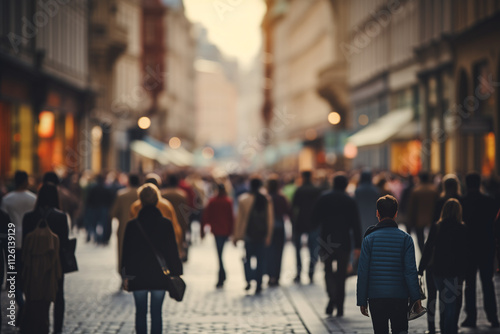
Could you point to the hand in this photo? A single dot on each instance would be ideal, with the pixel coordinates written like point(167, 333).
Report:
point(357, 253)
point(364, 311)
point(125, 284)
point(418, 306)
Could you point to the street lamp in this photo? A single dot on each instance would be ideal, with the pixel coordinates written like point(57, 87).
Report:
point(174, 143)
point(144, 122)
point(334, 118)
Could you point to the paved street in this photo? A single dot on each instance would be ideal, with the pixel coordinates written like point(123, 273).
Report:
point(95, 305)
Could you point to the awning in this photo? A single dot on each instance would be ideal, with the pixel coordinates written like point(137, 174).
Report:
point(383, 129)
point(159, 151)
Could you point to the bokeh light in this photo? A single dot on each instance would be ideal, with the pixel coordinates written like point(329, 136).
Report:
point(144, 122)
point(334, 118)
point(174, 143)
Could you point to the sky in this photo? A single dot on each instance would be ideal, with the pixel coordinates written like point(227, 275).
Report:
point(232, 25)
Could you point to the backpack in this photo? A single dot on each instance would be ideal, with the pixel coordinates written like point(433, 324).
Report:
point(257, 221)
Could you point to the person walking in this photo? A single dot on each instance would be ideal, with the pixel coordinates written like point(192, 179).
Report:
point(219, 216)
point(121, 211)
point(479, 211)
point(16, 204)
point(451, 189)
point(303, 202)
point(142, 273)
point(423, 200)
point(47, 207)
point(254, 225)
point(366, 196)
point(166, 208)
point(447, 253)
point(337, 215)
point(178, 197)
point(387, 272)
point(97, 211)
point(281, 210)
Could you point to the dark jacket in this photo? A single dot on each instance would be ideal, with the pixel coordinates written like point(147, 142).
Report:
point(387, 267)
point(366, 196)
point(4, 227)
point(139, 263)
point(219, 215)
point(338, 216)
point(479, 212)
point(447, 250)
point(302, 208)
point(58, 223)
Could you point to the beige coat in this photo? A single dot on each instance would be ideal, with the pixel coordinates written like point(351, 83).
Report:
point(121, 211)
point(245, 203)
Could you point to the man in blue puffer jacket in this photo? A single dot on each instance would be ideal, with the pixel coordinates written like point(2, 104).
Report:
point(387, 271)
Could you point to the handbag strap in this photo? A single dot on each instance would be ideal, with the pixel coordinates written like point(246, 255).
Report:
point(158, 255)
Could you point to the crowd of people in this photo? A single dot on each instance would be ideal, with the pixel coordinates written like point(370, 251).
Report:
point(342, 218)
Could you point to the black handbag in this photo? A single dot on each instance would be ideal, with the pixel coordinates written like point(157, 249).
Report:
point(68, 258)
point(176, 286)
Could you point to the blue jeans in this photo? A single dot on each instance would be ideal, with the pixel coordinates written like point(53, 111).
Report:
point(450, 296)
point(254, 249)
point(219, 242)
point(141, 311)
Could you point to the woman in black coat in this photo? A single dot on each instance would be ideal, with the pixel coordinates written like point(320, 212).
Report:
point(446, 253)
point(142, 273)
point(47, 206)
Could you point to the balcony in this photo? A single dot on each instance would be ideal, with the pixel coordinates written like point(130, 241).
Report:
point(108, 38)
point(332, 86)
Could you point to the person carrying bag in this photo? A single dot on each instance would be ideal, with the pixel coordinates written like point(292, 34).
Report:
point(150, 263)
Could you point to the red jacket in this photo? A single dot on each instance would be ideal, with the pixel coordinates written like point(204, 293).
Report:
point(219, 215)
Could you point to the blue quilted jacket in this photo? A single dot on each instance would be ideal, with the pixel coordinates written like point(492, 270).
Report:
point(387, 267)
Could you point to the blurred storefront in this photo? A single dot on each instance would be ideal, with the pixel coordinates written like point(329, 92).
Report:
point(44, 93)
point(477, 70)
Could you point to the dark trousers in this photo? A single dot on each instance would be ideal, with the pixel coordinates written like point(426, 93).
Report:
point(59, 307)
point(484, 263)
point(384, 310)
point(141, 311)
point(275, 254)
point(312, 244)
point(335, 280)
point(420, 237)
point(450, 302)
point(254, 249)
point(219, 242)
point(431, 300)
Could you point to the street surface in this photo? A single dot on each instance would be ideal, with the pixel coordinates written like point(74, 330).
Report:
point(94, 303)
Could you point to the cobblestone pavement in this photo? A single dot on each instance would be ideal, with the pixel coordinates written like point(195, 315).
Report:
point(94, 303)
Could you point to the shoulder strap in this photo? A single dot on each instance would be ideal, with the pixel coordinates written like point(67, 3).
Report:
point(158, 255)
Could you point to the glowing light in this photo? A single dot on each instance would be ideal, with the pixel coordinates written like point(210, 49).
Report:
point(96, 133)
point(363, 119)
point(208, 153)
point(311, 134)
point(144, 122)
point(334, 118)
point(46, 127)
point(174, 143)
point(350, 151)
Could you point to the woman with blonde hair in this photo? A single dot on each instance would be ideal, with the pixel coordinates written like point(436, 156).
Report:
point(446, 254)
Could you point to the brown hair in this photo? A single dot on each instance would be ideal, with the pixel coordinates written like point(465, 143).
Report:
point(451, 210)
